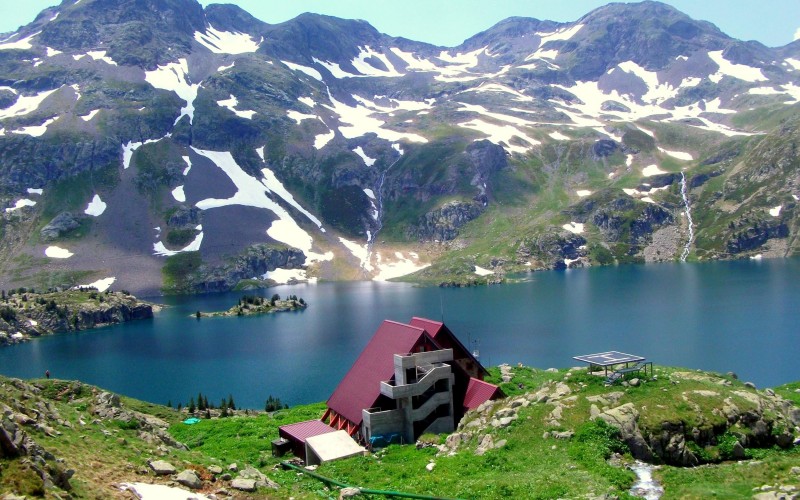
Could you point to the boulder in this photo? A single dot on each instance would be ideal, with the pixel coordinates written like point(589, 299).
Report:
point(243, 484)
point(190, 479)
point(162, 467)
point(60, 225)
point(486, 444)
point(625, 419)
point(349, 492)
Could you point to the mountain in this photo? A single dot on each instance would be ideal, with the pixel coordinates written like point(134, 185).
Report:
point(179, 149)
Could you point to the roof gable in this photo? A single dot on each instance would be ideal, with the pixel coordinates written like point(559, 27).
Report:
point(360, 387)
point(447, 339)
point(478, 392)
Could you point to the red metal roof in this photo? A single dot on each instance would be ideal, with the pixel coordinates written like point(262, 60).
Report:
point(447, 339)
point(360, 388)
point(304, 430)
point(479, 392)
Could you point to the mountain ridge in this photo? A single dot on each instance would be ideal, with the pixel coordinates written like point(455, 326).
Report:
point(376, 156)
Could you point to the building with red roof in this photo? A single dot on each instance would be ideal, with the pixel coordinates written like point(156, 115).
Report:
point(410, 379)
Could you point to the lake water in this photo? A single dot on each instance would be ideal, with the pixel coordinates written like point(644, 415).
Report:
point(724, 316)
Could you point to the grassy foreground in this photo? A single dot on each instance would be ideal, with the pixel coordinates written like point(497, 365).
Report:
point(105, 452)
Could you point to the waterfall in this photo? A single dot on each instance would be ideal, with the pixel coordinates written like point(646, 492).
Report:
point(645, 486)
point(684, 195)
point(372, 237)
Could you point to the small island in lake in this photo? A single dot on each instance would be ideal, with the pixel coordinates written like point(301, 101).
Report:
point(252, 304)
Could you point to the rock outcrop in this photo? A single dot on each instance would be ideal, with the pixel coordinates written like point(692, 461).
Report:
point(29, 314)
point(256, 261)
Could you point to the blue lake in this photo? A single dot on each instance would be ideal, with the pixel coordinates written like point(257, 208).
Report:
point(724, 316)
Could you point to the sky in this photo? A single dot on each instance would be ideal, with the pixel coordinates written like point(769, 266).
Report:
point(449, 22)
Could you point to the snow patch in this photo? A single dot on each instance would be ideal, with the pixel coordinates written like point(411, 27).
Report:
point(175, 77)
point(91, 115)
point(251, 193)
point(223, 68)
point(128, 149)
point(558, 136)
point(24, 202)
point(96, 207)
point(178, 194)
point(22, 44)
point(226, 42)
point(361, 65)
point(322, 139)
point(102, 285)
point(360, 252)
point(35, 190)
point(145, 491)
point(482, 272)
point(740, 71)
point(677, 154)
point(273, 185)
point(35, 130)
point(194, 246)
point(776, 211)
point(496, 87)
point(231, 104)
point(189, 165)
point(260, 152)
point(367, 160)
point(100, 55)
point(51, 52)
point(399, 267)
point(303, 69)
point(652, 170)
point(285, 276)
point(307, 101)
point(628, 160)
point(359, 119)
point(25, 104)
point(574, 227)
point(583, 193)
point(299, 117)
point(55, 252)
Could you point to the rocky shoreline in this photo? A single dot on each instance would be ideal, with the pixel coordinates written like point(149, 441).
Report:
point(26, 314)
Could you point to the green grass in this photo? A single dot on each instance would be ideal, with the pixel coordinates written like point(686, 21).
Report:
point(178, 270)
point(528, 466)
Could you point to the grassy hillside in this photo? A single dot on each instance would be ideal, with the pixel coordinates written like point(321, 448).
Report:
point(548, 448)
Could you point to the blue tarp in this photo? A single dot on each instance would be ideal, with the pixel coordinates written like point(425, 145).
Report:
point(190, 421)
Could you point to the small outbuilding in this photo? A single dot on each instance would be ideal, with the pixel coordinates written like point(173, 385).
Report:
point(331, 446)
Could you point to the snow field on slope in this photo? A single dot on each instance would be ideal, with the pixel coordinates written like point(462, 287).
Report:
point(250, 192)
point(401, 266)
point(175, 77)
point(231, 103)
point(96, 207)
point(226, 42)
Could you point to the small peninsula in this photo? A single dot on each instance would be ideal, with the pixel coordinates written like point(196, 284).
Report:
point(249, 305)
point(26, 313)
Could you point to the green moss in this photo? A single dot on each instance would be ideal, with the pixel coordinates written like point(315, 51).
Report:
point(180, 237)
point(177, 272)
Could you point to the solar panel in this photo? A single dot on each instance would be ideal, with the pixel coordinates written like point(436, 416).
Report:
point(609, 358)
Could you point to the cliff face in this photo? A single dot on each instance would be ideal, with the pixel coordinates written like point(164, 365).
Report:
point(29, 314)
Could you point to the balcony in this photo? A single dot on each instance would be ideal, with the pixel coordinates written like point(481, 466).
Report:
point(430, 375)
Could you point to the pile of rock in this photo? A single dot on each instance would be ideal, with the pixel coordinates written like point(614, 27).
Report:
point(151, 429)
point(248, 479)
point(15, 441)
